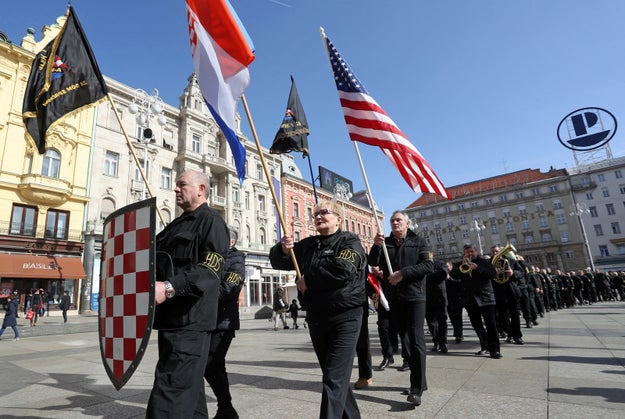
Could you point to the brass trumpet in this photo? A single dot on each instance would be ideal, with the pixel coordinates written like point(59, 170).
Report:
point(465, 266)
point(501, 263)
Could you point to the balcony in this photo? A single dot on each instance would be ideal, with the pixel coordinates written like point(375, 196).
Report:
point(218, 201)
point(44, 190)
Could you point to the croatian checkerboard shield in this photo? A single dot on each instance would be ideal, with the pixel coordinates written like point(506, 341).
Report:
point(127, 274)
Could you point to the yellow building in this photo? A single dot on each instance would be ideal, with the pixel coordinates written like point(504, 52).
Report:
point(42, 197)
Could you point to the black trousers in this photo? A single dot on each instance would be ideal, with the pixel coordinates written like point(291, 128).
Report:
point(436, 317)
point(387, 333)
point(215, 372)
point(334, 339)
point(455, 318)
point(485, 326)
point(363, 347)
point(178, 390)
point(409, 317)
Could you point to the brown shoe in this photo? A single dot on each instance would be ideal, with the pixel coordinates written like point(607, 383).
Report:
point(363, 383)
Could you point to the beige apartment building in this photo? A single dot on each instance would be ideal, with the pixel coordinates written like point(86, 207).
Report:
point(528, 209)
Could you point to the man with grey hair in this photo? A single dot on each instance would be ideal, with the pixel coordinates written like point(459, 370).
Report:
point(411, 260)
point(190, 257)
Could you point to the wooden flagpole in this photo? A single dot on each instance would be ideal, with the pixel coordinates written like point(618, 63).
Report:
point(269, 182)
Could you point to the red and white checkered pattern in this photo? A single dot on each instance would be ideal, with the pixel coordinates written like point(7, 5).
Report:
point(126, 292)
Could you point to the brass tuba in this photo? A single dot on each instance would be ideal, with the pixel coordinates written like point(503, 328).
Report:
point(501, 263)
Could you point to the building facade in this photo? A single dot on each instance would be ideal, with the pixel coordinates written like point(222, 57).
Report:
point(532, 210)
point(599, 194)
point(42, 197)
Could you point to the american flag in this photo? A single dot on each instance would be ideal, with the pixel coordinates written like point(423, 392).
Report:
point(368, 123)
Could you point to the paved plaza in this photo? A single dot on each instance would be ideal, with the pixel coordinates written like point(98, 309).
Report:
point(572, 366)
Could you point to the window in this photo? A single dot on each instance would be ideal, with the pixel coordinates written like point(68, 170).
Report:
point(616, 228)
point(525, 225)
point(569, 254)
point(601, 177)
point(546, 237)
point(295, 210)
point(553, 188)
point(494, 229)
point(605, 192)
point(474, 204)
point(247, 200)
point(557, 204)
point(503, 198)
point(195, 143)
point(603, 250)
point(561, 218)
point(593, 212)
point(535, 191)
point(463, 220)
point(564, 237)
point(620, 248)
point(465, 234)
point(166, 178)
point(51, 163)
point(145, 165)
point(509, 227)
point(296, 236)
point(56, 224)
point(522, 210)
point(111, 163)
point(259, 172)
point(589, 196)
point(542, 221)
point(450, 223)
point(261, 236)
point(236, 198)
point(540, 207)
point(529, 239)
point(447, 209)
point(598, 230)
point(610, 209)
point(621, 189)
point(519, 195)
point(23, 220)
point(261, 203)
point(507, 213)
point(488, 201)
point(618, 174)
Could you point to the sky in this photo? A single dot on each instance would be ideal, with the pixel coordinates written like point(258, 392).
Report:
point(479, 87)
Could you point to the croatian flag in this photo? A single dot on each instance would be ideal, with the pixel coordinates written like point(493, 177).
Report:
point(221, 51)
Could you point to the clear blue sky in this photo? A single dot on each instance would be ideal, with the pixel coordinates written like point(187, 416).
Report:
point(478, 86)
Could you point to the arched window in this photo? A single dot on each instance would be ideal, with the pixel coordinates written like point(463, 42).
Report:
point(108, 206)
point(51, 163)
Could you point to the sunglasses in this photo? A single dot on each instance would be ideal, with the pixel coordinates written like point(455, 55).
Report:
point(323, 212)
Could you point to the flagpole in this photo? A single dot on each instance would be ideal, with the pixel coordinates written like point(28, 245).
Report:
point(313, 178)
point(269, 182)
point(362, 169)
point(134, 155)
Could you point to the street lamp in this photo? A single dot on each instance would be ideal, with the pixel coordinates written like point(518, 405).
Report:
point(146, 106)
point(342, 193)
point(479, 226)
point(578, 210)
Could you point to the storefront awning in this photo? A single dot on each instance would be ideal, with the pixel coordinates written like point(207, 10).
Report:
point(14, 265)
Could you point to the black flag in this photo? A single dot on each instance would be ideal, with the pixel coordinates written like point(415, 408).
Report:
point(293, 132)
point(64, 78)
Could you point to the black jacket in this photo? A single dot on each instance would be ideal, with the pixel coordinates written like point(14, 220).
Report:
point(190, 254)
point(334, 268)
point(229, 290)
point(436, 290)
point(477, 287)
point(413, 257)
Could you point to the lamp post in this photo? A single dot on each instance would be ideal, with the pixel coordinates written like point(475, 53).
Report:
point(146, 106)
point(479, 226)
point(342, 193)
point(578, 210)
